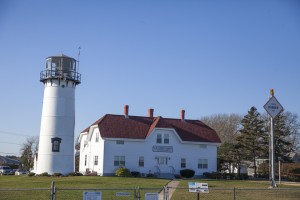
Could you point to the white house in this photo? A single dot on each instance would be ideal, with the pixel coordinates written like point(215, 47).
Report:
point(157, 145)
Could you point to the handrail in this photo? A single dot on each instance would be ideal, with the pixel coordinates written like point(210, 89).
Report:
point(60, 74)
point(157, 170)
point(172, 169)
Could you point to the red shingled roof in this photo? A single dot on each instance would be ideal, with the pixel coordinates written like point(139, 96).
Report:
point(137, 127)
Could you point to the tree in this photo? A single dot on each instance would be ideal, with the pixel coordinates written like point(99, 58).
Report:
point(286, 134)
point(282, 138)
point(293, 126)
point(28, 151)
point(230, 157)
point(225, 125)
point(253, 138)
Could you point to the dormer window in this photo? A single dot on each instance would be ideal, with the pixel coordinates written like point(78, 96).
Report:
point(55, 144)
point(166, 138)
point(159, 139)
point(162, 138)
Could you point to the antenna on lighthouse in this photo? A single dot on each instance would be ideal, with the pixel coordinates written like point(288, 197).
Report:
point(79, 48)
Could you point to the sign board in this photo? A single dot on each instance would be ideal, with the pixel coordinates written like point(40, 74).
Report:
point(198, 187)
point(273, 107)
point(167, 149)
point(92, 195)
point(151, 196)
point(122, 194)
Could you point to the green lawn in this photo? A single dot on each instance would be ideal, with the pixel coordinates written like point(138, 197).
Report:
point(73, 188)
point(243, 190)
point(77, 184)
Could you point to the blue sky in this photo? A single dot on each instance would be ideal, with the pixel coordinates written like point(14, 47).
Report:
point(206, 57)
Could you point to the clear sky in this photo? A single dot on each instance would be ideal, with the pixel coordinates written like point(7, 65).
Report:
point(204, 56)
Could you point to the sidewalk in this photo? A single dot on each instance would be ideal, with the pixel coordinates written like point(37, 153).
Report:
point(173, 184)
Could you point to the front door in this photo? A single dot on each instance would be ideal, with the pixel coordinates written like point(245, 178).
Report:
point(163, 164)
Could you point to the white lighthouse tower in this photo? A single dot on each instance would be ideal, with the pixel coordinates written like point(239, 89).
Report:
point(56, 143)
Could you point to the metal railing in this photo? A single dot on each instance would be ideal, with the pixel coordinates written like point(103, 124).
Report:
point(60, 74)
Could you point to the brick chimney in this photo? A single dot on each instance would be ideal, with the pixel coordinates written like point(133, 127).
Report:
point(182, 113)
point(150, 112)
point(126, 111)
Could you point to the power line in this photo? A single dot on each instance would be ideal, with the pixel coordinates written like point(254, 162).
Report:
point(12, 133)
point(10, 153)
point(10, 143)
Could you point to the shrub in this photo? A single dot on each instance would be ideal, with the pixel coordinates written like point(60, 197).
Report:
point(31, 174)
point(44, 174)
point(135, 174)
point(75, 174)
point(57, 174)
point(123, 172)
point(78, 174)
point(212, 175)
point(71, 174)
point(150, 175)
point(187, 173)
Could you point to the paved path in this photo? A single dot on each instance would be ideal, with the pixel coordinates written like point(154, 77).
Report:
point(173, 184)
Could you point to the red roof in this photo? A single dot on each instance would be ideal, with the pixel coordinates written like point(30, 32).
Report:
point(137, 127)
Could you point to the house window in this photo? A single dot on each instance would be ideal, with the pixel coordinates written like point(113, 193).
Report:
point(96, 160)
point(166, 138)
point(120, 142)
point(183, 163)
point(55, 144)
point(162, 138)
point(203, 146)
point(159, 138)
point(202, 164)
point(85, 160)
point(141, 161)
point(97, 137)
point(119, 161)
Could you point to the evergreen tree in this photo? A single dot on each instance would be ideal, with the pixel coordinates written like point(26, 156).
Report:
point(282, 138)
point(253, 138)
point(229, 157)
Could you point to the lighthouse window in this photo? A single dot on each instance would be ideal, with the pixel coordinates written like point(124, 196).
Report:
point(55, 144)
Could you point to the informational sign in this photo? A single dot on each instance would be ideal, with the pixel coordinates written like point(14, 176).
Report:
point(123, 194)
point(151, 196)
point(167, 149)
point(88, 195)
point(273, 107)
point(198, 187)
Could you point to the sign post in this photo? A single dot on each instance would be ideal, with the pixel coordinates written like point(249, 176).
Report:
point(273, 108)
point(199, 188)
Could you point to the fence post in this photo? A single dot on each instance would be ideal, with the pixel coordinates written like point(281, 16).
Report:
point(138, 193)
point(134, 194)
point(166, 193)
point(52, 191)
point(234, 197)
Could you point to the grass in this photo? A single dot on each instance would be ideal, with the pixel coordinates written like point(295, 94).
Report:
point(243, 190)
point(73, 188)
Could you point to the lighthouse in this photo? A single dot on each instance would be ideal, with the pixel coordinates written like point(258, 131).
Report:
point(56, 142)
